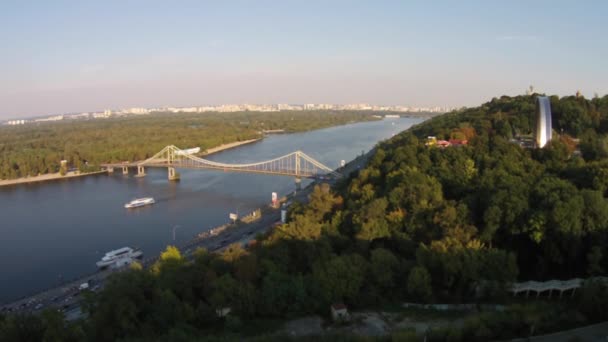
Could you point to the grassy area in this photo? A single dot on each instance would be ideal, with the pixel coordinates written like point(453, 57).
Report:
point(421, 314)
point(426, 315)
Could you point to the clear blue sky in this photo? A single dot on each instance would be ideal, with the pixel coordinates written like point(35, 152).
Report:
point(69, 56)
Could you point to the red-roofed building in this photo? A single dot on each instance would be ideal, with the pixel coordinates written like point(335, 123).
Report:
point(443, 143)
point(458, 142)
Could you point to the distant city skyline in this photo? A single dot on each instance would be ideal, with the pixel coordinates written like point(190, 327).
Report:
point(73, 56)
point(223, 108)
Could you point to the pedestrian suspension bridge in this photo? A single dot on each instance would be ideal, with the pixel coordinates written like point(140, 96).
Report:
point(296, 164)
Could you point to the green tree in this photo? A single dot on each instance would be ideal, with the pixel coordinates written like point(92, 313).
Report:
point(341, 277)
point(419, 284)
point(372, 221)
point(301, 227)
point(283, 294)
point(593, 300)
point(383, 266)
point(594, 260)
point(171, 257)
point(124, 307)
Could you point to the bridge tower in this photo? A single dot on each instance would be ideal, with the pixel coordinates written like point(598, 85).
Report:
point(298, 179)
point(296, 164)
point(172, 174)
point(170, 156)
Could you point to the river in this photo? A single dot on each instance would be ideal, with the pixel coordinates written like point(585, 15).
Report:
point(55, 231)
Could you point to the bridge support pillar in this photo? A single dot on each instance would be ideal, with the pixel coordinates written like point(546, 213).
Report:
point(125, 170)
point(173, 176)
point(141, 171)
point(298, 181)
point(110, 169)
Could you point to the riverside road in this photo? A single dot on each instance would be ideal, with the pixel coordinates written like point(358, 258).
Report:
point(67, 297)
point(78, 220)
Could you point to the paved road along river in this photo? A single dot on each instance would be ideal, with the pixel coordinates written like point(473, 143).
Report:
point(52, 232)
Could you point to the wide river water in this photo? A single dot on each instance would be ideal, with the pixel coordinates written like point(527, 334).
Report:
point(55, 231)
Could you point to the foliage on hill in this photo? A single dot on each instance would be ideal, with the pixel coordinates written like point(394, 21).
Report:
point(418, 223)
point(547, 206)
point(39, 148)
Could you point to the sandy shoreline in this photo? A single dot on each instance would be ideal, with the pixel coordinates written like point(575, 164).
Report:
point(223, 147)
point(47, 177)
point(74, 174)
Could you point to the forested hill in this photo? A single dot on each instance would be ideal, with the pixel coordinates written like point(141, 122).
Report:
point(545, 206)
point(38, 148)
point(419, 223)
point(512, 116)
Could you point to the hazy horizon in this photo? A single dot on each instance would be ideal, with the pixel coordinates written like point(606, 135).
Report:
point(66, 56)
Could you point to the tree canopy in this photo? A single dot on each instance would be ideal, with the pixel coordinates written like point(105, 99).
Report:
point(38, 148)
point(418, 223)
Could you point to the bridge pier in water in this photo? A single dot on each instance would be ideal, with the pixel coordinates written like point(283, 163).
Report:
point(296, 164)
point(173, 176)
point(141, 171)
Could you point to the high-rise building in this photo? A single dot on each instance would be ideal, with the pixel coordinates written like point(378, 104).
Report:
point(543, 123)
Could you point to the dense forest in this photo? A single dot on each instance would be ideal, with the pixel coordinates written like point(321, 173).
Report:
point(418, 223)
point(34, 149)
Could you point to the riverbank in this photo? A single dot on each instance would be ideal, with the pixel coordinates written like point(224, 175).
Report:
point(74, 174)
point(47, 177)
point(228, 146)
point(86, 217)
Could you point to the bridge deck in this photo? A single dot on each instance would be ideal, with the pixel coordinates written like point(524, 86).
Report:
point(291, 173)
point(295, 164)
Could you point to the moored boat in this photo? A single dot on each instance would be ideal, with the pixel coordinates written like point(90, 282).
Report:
point(118, 256)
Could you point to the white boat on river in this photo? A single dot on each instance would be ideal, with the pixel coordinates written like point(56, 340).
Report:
point(140, 202)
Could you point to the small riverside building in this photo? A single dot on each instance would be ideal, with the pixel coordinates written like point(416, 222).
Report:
point(339, 312)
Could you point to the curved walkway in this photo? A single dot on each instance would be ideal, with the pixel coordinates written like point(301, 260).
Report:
point(551, 285)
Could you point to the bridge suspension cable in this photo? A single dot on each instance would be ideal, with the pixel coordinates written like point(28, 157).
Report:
point(297, 164)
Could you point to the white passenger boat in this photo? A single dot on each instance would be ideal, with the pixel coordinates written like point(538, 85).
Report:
point(119, 256)
point(140, 202)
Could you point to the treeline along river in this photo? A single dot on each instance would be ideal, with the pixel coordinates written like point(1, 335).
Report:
point(55, 231)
